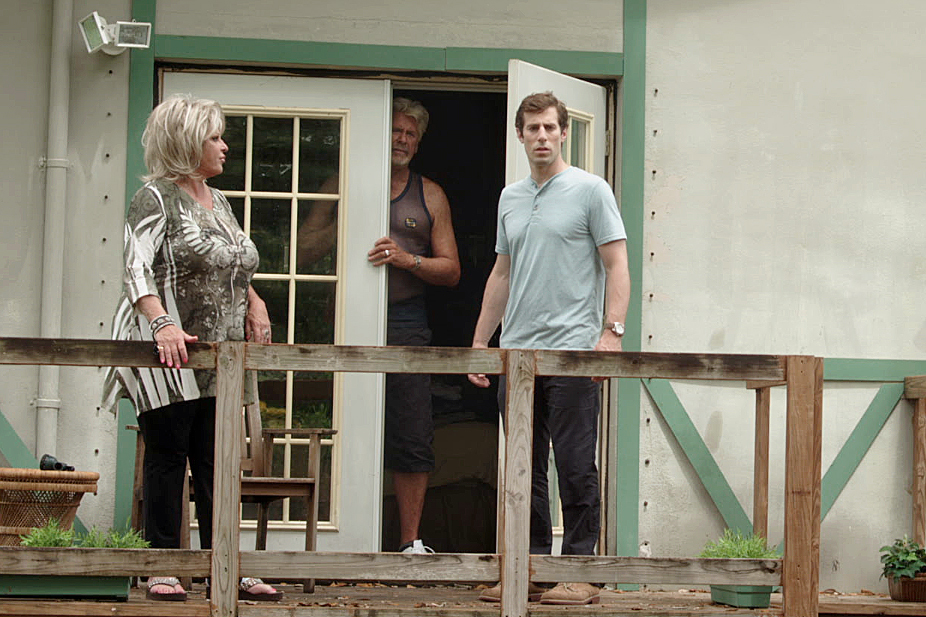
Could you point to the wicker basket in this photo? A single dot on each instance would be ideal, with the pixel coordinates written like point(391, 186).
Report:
point(31, 497)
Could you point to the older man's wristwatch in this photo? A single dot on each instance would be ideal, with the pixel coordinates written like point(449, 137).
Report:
point(615, 326)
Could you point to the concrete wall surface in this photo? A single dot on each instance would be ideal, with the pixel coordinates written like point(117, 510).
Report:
point(93, 237)
point(585, 25)
point(783, 202)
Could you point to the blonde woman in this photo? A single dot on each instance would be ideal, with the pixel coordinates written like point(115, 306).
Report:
point(188, 269)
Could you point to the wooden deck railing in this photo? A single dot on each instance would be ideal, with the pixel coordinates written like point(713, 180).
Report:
point(797, 572)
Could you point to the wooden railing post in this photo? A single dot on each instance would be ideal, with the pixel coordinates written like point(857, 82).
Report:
point(919, 470)
point(760, 463)
point(519, 411)
point(227, 483)
point(803, 453)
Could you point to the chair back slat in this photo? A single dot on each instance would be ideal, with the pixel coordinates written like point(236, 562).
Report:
point(256, 457)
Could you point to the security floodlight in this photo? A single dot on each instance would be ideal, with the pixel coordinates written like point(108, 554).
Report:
point(113, 39)
point(93, 29)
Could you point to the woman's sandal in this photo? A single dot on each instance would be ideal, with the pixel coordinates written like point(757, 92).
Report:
point(167, 581)
point(244, 591)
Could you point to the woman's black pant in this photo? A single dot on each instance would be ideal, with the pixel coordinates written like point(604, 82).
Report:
point(174, 434)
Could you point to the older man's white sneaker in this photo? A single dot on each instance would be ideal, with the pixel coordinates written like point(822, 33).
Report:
point(415, 547)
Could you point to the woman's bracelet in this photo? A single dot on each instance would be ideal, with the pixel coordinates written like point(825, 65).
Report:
point(158, 323)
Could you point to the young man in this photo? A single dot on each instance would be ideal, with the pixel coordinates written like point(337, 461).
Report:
point(561, 267)
point(420, 250)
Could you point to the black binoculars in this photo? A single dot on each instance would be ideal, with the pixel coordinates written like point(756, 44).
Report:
point(50, 463)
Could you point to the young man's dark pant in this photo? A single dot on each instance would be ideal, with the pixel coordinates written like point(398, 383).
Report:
point(566, 411)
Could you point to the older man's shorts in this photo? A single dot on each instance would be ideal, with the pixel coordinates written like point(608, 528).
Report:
point(409, 424)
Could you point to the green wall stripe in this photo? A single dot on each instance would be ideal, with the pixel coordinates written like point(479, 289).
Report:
point(125, 464)
point(698, 455)
point(857, 369)
point(624, 515)
point(346, 55)
point(858, 443)
point(141, 101)
point(590, 63)
point(19, 456)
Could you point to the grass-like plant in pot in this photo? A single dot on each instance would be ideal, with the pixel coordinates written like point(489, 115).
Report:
point(736, 545)
point(904, 567)
point(52, 535)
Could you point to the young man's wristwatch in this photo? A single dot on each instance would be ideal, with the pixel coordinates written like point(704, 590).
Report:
point(615, 326)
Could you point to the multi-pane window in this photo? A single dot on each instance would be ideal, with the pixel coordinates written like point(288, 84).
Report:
point(283, 177)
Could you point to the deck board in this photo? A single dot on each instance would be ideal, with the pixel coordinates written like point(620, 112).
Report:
point(377, 600)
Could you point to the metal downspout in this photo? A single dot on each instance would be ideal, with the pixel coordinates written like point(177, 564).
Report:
point(48, 402)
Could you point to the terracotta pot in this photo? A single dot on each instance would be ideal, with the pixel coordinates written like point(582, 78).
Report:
point(905, 589)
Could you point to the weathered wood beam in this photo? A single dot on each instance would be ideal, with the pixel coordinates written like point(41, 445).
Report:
point(660, 365)
point(91, 352)
point(914, 387)
point(104, 561)
point(760, 463)
point(360, 359)
point(515, 537)
point(803, 463)
point(227, 484)
point(655, 570)
point(919, 471)
point(372, 566)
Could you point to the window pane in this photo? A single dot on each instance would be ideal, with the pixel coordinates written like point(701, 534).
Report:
point(579, 143)
point(319, 155)
point(232, 177)
point(276, 295)
point(272, 155)
point(317, 239)
point(315, 313)
point(237, 206)
point(270, 232)
point(300, 466)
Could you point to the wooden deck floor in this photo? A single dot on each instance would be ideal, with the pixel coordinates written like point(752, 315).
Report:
point(375, 600)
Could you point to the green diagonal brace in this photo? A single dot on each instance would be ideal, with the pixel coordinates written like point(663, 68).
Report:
point(858, 443)
point(698, 455)
point(18, 455)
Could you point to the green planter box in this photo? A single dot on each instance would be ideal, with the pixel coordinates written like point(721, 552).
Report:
point(742, 596)
point(50, 586)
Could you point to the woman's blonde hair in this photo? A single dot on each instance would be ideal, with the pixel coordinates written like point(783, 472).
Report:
point(175, 133)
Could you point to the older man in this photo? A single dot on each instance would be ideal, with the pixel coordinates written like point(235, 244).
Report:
point(420, 250)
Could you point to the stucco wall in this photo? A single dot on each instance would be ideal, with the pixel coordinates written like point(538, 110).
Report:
point(93, 239)
point(783, 206)
point(587, 25)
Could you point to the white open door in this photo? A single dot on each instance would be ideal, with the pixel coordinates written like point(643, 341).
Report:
point(343, 128)
point(584, 147)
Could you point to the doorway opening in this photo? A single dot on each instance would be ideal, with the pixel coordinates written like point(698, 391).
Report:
point(463, 151)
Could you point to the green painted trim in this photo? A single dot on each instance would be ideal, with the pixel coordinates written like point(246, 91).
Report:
point(141, 102)
point(858, 443)
point(626, 510)
point(14, 450)
point(590, 63)
point(125, 465)
point(17, 455)
point(349, 55)
point(698, 455)
point(858, 369)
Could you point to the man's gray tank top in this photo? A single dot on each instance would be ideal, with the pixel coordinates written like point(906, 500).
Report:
point(410, 227)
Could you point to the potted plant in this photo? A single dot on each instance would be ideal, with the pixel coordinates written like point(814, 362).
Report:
point(735, 545)
point(904, 564)
point(53, 535)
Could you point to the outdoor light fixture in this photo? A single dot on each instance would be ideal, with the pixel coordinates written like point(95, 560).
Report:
point(113, 39)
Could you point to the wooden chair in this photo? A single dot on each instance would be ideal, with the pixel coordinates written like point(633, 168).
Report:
point(257, 484)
